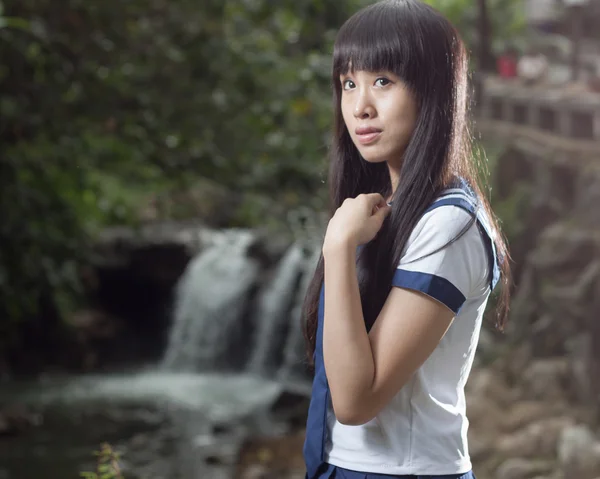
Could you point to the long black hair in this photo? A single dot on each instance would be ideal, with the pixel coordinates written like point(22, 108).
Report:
point(420, 46)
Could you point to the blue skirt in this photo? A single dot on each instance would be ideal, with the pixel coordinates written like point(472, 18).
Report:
point(336, 472)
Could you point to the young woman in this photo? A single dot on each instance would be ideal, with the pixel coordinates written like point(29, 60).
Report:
point(410, 256)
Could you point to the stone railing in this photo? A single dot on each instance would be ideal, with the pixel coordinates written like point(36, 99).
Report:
point(555, 111)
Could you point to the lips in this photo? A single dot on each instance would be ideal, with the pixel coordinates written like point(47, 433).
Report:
point(367, 134)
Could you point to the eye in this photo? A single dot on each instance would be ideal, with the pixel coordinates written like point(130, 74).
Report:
point(348, 84)
point(382, 81)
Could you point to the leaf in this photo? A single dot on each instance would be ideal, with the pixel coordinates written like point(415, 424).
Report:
point(14, 22)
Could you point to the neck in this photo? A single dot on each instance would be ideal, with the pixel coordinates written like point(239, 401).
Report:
point(394, 179)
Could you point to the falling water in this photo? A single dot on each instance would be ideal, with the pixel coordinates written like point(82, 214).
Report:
point(210, 298)
point(217, 318)
point(226, 304)
point(272, 314)
point(293, 366)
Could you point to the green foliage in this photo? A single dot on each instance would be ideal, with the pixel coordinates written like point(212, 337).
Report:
point(107, 466)
point(105, 105)
point(506, 17)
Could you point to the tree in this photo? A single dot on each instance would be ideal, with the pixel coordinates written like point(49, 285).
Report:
point(103, 103)
point(488, 25)
point(485, 57)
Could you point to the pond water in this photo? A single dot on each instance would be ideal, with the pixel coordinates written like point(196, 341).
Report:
point(178, 420)
point(162, 425)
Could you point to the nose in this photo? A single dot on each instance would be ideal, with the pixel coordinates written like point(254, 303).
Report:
point(364, 107)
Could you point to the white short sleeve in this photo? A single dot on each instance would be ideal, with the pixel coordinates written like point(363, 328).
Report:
point(452, 274)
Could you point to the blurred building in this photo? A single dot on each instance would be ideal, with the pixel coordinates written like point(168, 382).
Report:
point(567, 33)
point(556, 16)
point(543, 14)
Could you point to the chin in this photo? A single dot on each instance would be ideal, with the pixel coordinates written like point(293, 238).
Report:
point(373, 158)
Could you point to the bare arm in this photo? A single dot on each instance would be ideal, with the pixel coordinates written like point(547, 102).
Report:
point(365, 371)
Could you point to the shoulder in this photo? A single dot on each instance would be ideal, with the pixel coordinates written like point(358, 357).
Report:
point(451, 218)
point(447, 229)
point(446, 220)
point(447, 242)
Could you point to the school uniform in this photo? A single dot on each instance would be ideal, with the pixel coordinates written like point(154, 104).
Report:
point(422, 432)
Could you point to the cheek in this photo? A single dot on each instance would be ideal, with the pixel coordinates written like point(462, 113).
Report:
point(346, 114)
point(411, 110)
point(407, 116)
point(409, 119)
point(405, 109)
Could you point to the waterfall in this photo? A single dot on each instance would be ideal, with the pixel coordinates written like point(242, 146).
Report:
point(293, 366)
point(210, 298)
point(237, 310)
point(272, 318)
point(230, 314)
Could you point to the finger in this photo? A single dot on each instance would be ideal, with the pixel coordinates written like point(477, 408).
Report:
point(375, 199)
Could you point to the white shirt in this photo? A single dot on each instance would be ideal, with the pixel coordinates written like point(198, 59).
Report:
point(423, 430)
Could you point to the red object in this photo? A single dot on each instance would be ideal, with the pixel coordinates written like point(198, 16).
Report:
point(507, 66)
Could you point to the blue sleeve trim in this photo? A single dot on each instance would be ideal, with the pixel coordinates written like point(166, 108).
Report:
point(484, 228)
point(437, 287)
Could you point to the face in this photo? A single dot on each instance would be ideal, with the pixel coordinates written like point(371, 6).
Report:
point(380, 114)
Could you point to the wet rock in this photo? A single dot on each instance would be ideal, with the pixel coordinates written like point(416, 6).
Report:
point(91, 324)
point(16, 419)
point(291, 407)
point(214, 461)
point(95, 332)
point(277, 456)
point(219, 429)
point(139, 441)
point(255, 471)
point(120, 246)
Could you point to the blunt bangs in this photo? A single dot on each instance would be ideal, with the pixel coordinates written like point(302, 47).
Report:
point(390, 36)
